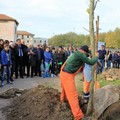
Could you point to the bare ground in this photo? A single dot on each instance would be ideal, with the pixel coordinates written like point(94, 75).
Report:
point(40, 102)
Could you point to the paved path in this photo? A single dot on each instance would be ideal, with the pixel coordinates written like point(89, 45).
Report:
point(27, 83)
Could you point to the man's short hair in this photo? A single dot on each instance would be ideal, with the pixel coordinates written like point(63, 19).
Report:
point(18, 40)
point(6, 45)
point(1, 40)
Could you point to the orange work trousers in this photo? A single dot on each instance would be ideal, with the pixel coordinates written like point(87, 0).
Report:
point(86, 85)
point(69, 92)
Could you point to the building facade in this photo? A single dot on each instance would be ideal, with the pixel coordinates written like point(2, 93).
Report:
point(26, 36)
point(38, 40)
point(8, 28)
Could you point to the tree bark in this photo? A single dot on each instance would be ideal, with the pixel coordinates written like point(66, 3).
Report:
point(92, 40)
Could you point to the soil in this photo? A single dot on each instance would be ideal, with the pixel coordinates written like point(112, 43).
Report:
point(43, 103)
point(39, 103)
point(111, 74)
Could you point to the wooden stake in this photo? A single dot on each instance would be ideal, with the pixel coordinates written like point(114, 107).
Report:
point(96, 49)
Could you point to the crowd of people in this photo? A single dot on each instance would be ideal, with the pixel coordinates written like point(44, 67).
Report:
point(45, 61)
point(41, 60)
point(108, 59)
point(28, 61)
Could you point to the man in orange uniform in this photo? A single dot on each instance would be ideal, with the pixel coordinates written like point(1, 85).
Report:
point(70, 68)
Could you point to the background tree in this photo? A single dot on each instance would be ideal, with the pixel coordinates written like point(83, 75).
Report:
point(102, 37)
point(112, 39)
point(117, 37)
point(69, 38)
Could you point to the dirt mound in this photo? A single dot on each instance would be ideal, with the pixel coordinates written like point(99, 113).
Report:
point(111, 74)
point(43, 103)
point(39, 104)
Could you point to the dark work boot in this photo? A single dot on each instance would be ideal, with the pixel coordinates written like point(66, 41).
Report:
point(86, 98)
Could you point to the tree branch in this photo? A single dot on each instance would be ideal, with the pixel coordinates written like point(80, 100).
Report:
point(96, 4)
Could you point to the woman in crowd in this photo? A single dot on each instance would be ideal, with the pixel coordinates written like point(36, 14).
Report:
point(60, 57)
point(47, 62)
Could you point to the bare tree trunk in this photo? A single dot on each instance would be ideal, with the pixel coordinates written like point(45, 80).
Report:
point(92, 40)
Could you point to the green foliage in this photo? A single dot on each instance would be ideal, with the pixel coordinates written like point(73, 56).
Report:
point(69, 38)
point(112, 39)
point(102, 37)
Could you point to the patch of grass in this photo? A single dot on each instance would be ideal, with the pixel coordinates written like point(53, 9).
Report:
point(79, 83)
point(79, 86)
point(104, 83)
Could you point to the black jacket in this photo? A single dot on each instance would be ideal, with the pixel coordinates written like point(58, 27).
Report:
point(33, 57)
point(12, 51)
point(61, 56)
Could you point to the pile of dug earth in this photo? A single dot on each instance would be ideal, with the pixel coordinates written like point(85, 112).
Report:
point(111, 74)
point(43, 103)
point(39, 103)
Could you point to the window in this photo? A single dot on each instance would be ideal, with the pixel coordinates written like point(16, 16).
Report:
point(27, 36)
point(22, 36)
point(27, 41)
point(40, 41)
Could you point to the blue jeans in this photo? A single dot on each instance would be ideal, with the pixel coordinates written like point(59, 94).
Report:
point(46, 71)
point(108, 63)
point(100, 69)
point(6, 71)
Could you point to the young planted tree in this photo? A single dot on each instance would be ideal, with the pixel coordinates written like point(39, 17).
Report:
point(91, 10)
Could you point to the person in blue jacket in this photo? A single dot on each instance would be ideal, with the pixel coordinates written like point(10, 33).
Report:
point(47, 62)
point(6, 64)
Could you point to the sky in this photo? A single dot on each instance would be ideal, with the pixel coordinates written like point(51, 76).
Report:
point(46, 18)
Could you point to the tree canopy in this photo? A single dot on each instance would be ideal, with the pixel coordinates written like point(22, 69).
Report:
point(112, 39)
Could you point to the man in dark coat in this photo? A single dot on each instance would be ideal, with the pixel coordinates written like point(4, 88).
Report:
point(40, 57)
point(102, 53)
point(19, 55)
point(25, 57)
point(32, 54)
